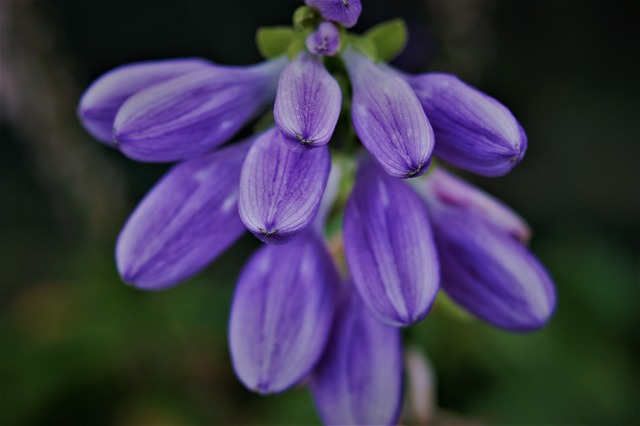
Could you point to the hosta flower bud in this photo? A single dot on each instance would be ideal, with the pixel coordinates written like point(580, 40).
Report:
point(308, 102)
point(473, 131)
point(388, 117)
point(451, 190)
point(358, 381)
point(389, 247)
point(184, 222)
point(325, 40)
point(281, 187)
point(488, 272)
point(281, 315)
point(344, 12)
point(102, 100)
point(190, 115)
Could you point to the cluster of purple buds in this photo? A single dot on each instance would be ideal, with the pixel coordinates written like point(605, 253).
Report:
point(302, 312)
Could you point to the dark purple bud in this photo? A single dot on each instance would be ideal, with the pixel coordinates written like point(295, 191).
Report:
point(451, 190)
point(388, 117)
point(344, 12)
point(281, 187)
point(308, 102)
point(358, 381)
point(489, 272)
point(389, 247)
point(190, 115)
point(325, 40)
point(184, 222)
point(282, 312)
point(473, 131)
point(101, 101)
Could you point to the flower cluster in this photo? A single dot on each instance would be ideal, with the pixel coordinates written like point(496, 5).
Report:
point(296, 314)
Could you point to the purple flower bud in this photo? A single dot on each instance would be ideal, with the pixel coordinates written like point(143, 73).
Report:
point(184, 222)
point(281, 187)
point(101, 101)
point(389, 247)
point(473, 131)
point(490, 273)
point(388, 117)
point(451, 190)
point(308, 102)
point(344, 12)
point(282, 312)
point(190, 115)
point(358, 381)
point(325, 40)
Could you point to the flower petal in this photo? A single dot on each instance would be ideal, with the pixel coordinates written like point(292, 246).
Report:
point(184, 222)
point(344, 12)
point(490, 273)
point(325, 40)
point(281, 188)
point(473, 131)
point(449, 189)
point(101, 101)
point(308, 102)
point(388, 117)
point(190, 115)
point(358, 381)
point(389, 247)
point(282, 312)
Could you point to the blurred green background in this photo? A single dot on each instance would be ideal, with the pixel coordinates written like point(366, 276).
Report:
point(79, 347)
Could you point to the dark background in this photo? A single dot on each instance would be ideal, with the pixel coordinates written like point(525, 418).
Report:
point(79, 347)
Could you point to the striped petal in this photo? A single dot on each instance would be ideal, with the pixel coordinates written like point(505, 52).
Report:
point(184, 222)
point(473, 131)
point(102, 100)
point(451, 190)
point(282, 312)
point(388, 117)
point(389, 247)
point(490, 273)
point(281, 188)
point(358, 381)
point(190, 115)
point(308, 102)
point(344, 12)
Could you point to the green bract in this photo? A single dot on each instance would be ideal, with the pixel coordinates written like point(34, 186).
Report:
point(274, 41)
point(389, 39)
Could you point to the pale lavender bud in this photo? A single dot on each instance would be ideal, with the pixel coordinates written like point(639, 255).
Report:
point(184, 222)
point(421, 386)
point(344, 12)
point(282, 312)
point(281, 187)
point(389, 247)
point(388, 118)
point(102, 100)
point(191, 115)
point(473, 131)
point(308, 102)
point(358, 381)
point(325, 40)
point(451, 190)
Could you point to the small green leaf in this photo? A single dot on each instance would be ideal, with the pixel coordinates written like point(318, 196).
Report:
point(365, 46)
point(389, 37)
point(296, 46)
point(305, 18)
point(274, 41)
